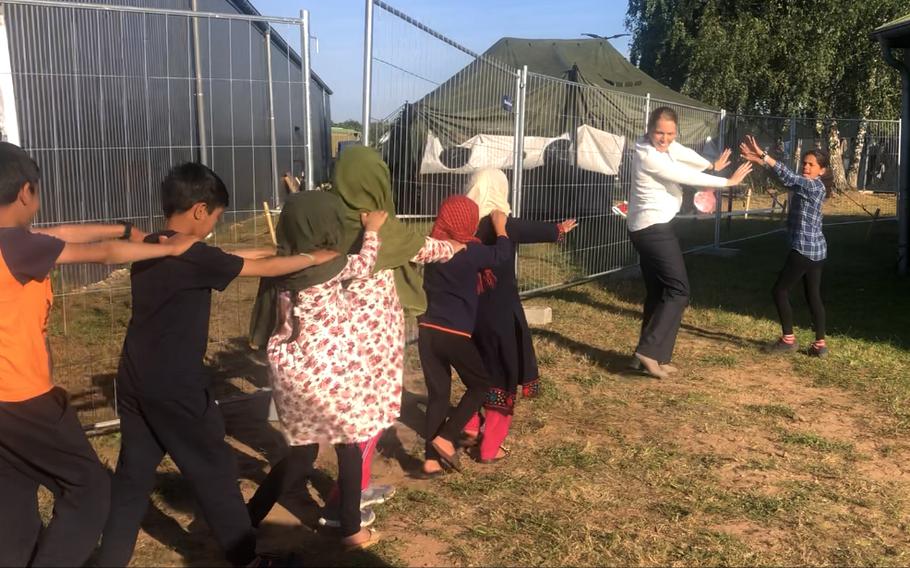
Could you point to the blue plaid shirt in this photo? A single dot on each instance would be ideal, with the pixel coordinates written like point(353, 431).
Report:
point(804, 221)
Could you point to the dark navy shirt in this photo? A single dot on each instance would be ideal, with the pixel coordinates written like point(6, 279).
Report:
point(168, 333)
point(452, 286)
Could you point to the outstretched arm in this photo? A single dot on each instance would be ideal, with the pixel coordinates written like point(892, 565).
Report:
point(119, 252)
point(91, 232)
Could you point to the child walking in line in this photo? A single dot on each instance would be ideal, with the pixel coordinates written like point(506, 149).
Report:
point(502, 335)
point(164, 402)
point(323, 386)
point(381, 301)
point(41, 439)
point(444, 335)
point(808, 248)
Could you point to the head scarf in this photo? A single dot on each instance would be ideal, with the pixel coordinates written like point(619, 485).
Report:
point(309, 221)
point(457, 220)
point(489, 189)
point(363, 183)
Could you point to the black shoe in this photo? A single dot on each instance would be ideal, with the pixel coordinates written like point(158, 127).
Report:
point(781, 346)
point(816, 351)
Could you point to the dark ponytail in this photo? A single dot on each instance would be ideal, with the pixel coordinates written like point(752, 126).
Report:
point(824, 161)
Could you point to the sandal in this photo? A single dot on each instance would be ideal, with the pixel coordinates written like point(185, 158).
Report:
point(426, 475)
point(448, 460)
point(363, 545)
point(505, 454)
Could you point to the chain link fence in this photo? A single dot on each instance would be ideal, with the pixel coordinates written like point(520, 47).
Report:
point(107, 98)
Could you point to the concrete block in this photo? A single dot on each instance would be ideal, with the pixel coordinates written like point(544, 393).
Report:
point(538, 315)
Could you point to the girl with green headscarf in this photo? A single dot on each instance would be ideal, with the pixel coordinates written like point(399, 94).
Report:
point(321, 383)
point(363, 183)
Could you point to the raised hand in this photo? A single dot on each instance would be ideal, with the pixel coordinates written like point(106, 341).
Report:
point(740, 174)
point(567, 225)
point(723, 161)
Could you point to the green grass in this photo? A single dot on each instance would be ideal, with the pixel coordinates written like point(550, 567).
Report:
point(743, 458)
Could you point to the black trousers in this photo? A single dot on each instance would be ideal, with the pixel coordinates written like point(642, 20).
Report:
point(191, 430)
point(440, 352)
point(667, 285)
point(798, 267)
point(42, 443)
point(293, 471)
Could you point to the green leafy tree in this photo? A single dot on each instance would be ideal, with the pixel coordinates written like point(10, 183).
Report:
point(350, 125)
point(778, 57)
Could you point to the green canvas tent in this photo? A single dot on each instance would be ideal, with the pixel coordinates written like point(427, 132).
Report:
point(572, 84)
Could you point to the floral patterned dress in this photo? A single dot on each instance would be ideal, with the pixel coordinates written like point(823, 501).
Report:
point(323, 386)
point(378, 313)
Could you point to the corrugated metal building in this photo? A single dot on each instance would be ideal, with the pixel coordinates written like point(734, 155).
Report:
point(106, 101)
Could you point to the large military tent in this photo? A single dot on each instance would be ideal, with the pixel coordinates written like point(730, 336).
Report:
point(582, 97)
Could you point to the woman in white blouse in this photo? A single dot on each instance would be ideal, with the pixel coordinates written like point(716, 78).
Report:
point(661, 165)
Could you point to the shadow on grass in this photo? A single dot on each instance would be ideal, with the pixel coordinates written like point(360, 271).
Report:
point(864, 296)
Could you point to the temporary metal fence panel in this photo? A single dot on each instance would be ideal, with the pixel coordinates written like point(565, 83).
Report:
point(867, 150)
point(577, 154)
point(438, 112)
point(106, 99)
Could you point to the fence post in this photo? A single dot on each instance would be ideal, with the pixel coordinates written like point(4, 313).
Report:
point(718, 194)
point(367, 70)
point(273, 138)
point(519, 147)
point(792, 152)
point(647, 109)
point(200, 95)
point(308, 102)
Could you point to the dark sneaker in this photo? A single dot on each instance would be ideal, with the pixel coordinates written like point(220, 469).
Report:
point(780, 346)
point(376, 495)
point(816, 351)
point(330, 518)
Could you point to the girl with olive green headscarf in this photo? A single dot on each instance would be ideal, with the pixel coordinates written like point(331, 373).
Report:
point(321, 383)
point(363, 182)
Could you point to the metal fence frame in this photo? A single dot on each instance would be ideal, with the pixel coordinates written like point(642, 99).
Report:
point(84, 354)
point(727, 130)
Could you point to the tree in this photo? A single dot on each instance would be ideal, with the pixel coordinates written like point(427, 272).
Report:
point(350, 125)
point(774, 57)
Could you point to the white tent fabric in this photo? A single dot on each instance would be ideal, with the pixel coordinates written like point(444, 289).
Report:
point(597, 151)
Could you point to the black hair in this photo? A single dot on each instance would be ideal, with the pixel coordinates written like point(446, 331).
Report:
point(16, 169)
point(824, 161)
point(189, 184)
point(659, 113)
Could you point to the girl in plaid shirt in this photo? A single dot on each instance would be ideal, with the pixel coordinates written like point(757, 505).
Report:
point(808, 248)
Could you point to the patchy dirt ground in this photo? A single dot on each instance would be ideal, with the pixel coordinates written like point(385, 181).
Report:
point(743, 458)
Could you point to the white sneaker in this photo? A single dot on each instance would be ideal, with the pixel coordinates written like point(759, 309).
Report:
point(376, 495)
point(331, 519)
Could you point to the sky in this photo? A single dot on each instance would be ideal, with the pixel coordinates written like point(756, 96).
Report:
point(420, 60)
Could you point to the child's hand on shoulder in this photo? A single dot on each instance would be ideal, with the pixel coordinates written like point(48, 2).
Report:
point(456, 246)
point(499, 221)
point(137, 235)
point(179, 243)
point(373, 220)
point(323, 256)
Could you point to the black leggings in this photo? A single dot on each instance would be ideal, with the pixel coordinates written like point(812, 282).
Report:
point(810, 271)
point(440, 352)
point(296, 468)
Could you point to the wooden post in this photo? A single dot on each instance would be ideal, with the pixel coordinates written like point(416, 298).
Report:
point(748, 201)
point(271, 224)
